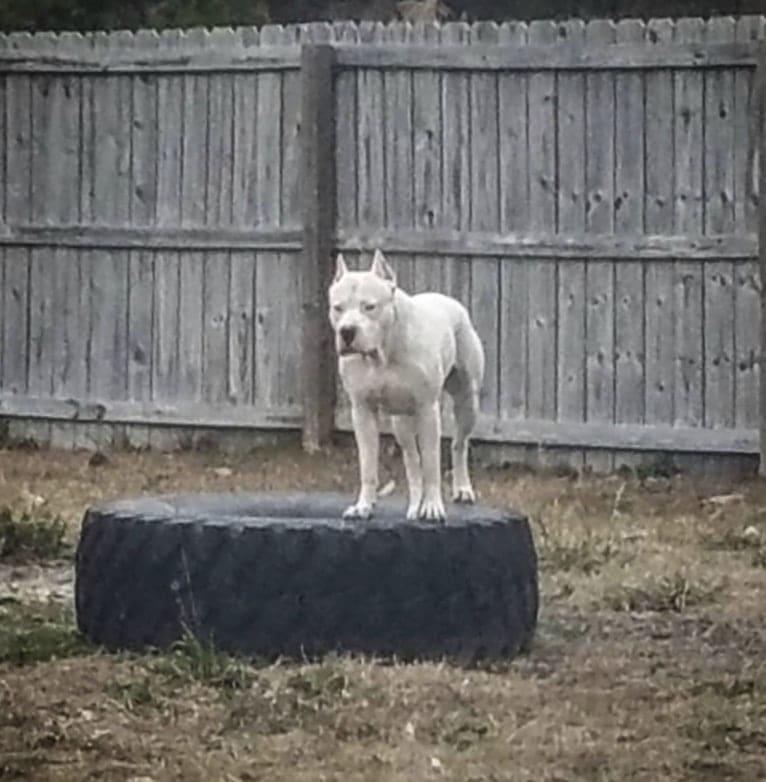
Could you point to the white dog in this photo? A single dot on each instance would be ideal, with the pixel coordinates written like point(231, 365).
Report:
point(396, 353)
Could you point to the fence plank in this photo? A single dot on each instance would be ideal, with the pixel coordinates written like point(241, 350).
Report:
point(689, 217)
point(485, 214)
point(429, 125)
point(16, 200)
point(346, 125)
point(246, 121)
point(514, 216)
point(747, 284)
point(165, 357)
point(599, 218)
point(542, 276)
point(658, 218)
point(570, 323)
point(718, 188)
point(370, 103)
point(400, 156)
point(760, 98)
point(628, 206)
point(144, 142)
point(194, 171)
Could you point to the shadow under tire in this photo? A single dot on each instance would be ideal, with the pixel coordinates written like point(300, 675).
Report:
point(269, 575)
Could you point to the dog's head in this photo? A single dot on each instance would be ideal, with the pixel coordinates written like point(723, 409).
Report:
point(362, 306)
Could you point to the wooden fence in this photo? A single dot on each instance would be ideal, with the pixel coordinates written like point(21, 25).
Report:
point(170, 204)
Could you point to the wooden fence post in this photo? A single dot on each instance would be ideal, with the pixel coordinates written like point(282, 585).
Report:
point(319, 216)
point(760, 140)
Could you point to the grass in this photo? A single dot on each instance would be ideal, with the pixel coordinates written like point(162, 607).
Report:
point(648, 662)
point(676, 593)
point(24, 536)
point(38, 633)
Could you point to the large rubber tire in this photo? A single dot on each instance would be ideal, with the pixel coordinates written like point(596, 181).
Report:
point(272, 575)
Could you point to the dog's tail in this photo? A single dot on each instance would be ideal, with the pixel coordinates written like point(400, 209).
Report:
point(470, 352)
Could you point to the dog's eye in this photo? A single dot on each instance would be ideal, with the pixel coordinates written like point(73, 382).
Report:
point(337, 308)
point(368, 306)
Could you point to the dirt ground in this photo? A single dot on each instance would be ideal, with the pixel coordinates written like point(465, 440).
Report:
point(649, 662)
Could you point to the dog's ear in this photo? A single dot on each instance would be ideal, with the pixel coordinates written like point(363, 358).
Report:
point(382, 268)
point(340, 267)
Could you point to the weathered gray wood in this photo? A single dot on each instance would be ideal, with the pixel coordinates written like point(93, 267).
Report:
point(485, 214)
point(761, 125)
point(166, 381)
point(16, 207)
point(245, 121)
point(46, 109)
point(514, 216)
point(718, 185)
point(542, 273)
point(155, 238)
point(559, 435)
point(346, 124)
point(571, 181)
point(153, 413)
point(203, 60)
point(746, 277)
point(241, 329)
point(370, 148)
point(628, 210)
point(143, 207)
point(542, 58)
point(432, 146)
point(194, 195)
point(268, 158)
point(689, 132)
point(599, 286)
point(658, 219)
point(109, 126)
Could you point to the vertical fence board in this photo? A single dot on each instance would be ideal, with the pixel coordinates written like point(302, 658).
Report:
point(658, 219)
point(542, 309)
point(514, 216)
point(746, 278)
point(428, 123)
point(346, 125)
point(167, 279)
point(689, 218)
point(718, 188)
point(628, 209)
point(16, 187)
point(570, 342)
point(370, 105)
point(599, 218)
point(399, 155)
point(485, 214)
point(144, 144)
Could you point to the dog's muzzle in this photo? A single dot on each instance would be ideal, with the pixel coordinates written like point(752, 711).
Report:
point(347, 336)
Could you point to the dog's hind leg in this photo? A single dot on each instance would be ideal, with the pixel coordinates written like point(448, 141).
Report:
point(466, 406)
point(404, 432)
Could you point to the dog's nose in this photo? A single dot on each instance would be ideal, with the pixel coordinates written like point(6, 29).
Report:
point(347, 334)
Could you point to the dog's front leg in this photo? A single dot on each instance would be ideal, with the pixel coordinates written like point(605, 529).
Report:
point(365, 425)
point(429, 439)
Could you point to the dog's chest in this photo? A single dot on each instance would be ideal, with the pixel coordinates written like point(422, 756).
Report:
point(393, 390)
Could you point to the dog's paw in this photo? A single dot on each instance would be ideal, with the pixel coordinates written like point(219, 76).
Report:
point(360, 510)
point(464, 495)
point(432, 510)
point(412, 512)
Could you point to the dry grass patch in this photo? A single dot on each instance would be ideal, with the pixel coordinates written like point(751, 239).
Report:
point(648, 663)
